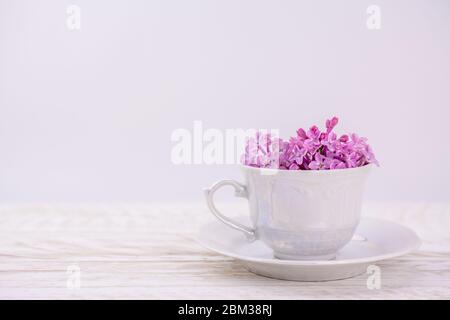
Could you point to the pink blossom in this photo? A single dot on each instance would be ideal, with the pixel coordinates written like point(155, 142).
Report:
point(319, 163)
point(309, 150)
point(331, 123)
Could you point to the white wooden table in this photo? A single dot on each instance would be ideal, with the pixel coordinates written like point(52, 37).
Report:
point(149, 252)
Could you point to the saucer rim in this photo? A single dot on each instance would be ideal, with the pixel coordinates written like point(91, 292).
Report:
point(364, 260)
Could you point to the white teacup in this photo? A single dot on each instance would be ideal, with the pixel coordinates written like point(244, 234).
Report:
point(300, 214)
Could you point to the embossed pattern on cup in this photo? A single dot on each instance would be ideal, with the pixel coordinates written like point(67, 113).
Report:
point(301, 215)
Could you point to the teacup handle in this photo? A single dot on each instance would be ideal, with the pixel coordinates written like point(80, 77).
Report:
point(239, 191)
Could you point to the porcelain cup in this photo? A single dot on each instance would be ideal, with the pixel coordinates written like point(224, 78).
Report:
point(300, 214)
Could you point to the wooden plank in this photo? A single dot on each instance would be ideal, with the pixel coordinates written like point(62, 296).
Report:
point(148, 251)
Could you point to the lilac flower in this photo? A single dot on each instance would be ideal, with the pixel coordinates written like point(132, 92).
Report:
point(296, 150)
point(309, 150)
point(337, 164)
point(312, 142)
point(331, 123)
point(319, 162)
point(262, 151)
point(302, 134)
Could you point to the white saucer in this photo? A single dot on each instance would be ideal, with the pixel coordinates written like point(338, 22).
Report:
point(375, 240)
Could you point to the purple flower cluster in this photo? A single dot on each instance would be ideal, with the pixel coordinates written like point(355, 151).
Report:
point(309, 150)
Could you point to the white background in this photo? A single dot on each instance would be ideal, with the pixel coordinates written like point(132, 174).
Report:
point(87, 115)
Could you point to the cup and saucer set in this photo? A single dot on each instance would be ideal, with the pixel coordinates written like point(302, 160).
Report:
point(304, 225)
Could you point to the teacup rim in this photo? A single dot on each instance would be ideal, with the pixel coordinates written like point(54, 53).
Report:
point(365, 167)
